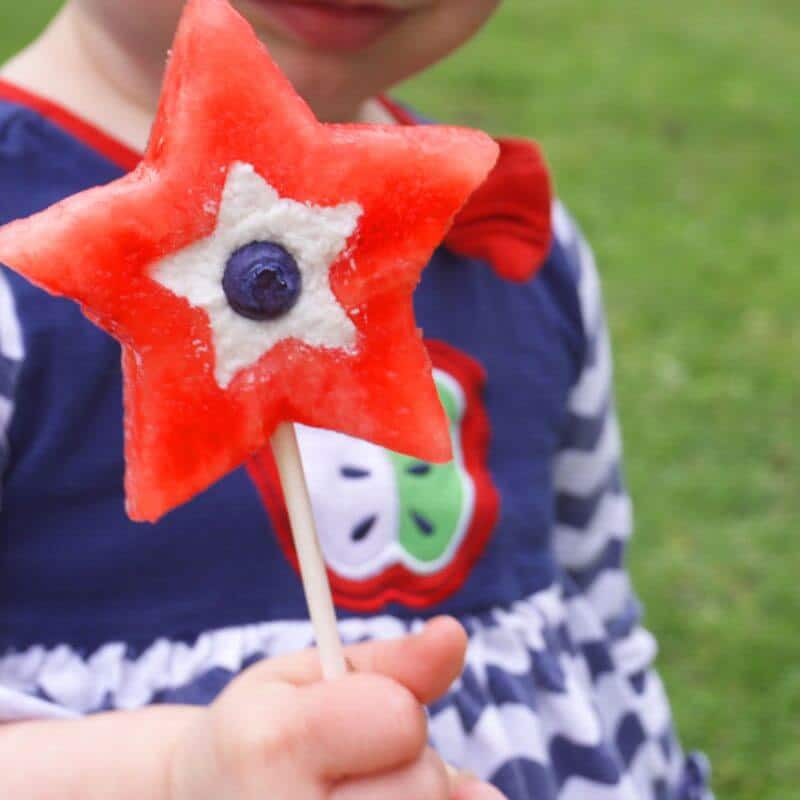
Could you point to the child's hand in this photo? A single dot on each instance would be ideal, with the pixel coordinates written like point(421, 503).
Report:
point(279, 732)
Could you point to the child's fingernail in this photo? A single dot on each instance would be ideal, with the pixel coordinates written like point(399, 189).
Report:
point(452, 772)
point(435, 622)
point(467, 775)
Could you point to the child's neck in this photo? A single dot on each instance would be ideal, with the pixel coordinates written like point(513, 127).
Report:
point(73, 65)
point(80, 66)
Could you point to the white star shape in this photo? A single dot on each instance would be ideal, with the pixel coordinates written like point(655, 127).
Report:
point(251, 210)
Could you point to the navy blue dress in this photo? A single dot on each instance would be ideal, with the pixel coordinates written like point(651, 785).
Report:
point(522, 536)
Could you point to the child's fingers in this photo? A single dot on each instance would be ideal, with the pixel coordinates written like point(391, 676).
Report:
point(424, 779)
point(360, 725)
point(426, 663)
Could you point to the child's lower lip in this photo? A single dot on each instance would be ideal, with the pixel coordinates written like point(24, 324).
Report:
point(331, 25)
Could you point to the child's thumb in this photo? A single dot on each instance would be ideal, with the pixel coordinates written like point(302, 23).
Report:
point(426, 663)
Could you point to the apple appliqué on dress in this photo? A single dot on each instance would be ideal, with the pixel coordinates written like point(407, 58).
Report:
point(376, 508)
point(395, 528)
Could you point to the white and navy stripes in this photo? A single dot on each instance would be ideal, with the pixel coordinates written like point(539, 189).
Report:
point(593, 510)
point(11, 353)
point(593, 526)
point(542, 708)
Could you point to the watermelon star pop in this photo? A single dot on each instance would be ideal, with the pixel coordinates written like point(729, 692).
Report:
point(242, 195)
point(257, 268)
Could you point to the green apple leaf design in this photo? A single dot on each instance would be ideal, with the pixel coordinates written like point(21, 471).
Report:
point(433, 496)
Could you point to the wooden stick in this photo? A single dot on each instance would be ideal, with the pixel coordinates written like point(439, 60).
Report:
point(309, 553)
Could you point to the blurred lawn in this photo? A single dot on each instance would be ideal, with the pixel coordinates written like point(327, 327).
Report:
point(674, 134)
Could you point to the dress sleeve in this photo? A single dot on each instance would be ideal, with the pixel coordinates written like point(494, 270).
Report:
point(11, 355)
point(593, 509)
point(15, 704)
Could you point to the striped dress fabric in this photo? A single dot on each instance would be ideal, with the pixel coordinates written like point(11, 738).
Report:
point(559, 699)
point(11, 354)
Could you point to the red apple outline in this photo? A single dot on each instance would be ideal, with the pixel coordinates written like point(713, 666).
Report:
point(398, 584)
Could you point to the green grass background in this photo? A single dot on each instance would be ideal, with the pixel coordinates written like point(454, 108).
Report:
point(673, 130)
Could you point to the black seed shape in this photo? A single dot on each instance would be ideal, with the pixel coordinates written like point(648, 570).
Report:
point(419, 469)
point(354, 472)
point(423, 523)
point(363, 528)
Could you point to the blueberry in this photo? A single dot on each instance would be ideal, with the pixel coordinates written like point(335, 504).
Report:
point(262, 281)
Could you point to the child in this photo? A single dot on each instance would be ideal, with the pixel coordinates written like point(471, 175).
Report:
point(521, 537)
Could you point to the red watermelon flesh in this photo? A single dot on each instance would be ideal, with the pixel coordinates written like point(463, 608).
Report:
point(227, 111)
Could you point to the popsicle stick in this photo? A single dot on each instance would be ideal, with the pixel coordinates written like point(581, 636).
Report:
point(309, 554)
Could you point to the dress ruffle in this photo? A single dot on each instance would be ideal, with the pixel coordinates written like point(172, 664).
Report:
point(547, 707)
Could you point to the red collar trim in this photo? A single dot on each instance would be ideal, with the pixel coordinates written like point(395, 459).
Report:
point(400, 113)
point(507, 221)
point(114, 150)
